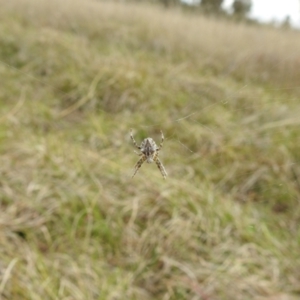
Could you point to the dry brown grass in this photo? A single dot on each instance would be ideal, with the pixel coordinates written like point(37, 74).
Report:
point(75, 77)
point(249, 53)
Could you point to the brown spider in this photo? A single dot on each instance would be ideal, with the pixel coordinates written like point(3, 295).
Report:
point(149, 152)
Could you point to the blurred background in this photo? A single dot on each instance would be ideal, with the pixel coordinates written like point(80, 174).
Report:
point(220, 79)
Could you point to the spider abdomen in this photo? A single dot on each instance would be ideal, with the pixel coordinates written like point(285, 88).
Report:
point(148, 147)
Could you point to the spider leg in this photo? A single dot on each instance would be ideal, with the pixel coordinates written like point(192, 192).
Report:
point(139, 164)
point(139, 154)
point(162, 141)
point(160, 166)
point(133, 140)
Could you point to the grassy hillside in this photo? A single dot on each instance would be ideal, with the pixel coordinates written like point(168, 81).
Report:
point(76, 76)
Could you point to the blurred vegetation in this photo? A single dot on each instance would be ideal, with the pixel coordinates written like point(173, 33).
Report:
point(76, 76)
point(240, 8)
point(211, 6)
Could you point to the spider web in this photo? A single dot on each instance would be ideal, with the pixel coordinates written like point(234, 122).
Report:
point(178, 124)
point(178, 119)
point(209, 144)
point(278, 122)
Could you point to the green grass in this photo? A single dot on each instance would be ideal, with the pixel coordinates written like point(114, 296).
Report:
point(75, 78)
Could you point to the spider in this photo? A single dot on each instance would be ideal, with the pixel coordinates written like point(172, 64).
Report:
point(149, 152)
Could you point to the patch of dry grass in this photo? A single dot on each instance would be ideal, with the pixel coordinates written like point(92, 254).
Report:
point(75, 77)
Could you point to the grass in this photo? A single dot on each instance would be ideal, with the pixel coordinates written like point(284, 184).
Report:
point(75, 77)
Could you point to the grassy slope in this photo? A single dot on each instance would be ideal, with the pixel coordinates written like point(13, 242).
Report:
point(224, 225)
